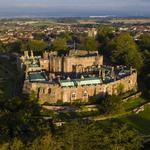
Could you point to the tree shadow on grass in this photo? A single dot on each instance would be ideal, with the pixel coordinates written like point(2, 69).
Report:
point(141, 124)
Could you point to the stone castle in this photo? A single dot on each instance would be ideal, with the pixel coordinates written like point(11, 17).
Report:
point(76, 76)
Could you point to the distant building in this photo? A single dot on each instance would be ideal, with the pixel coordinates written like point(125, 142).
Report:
point(92, 32)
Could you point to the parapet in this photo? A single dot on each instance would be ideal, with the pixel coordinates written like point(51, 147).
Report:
point(82, 53)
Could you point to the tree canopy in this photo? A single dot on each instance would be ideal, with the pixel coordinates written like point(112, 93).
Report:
point(37, 45)
point(89, 44)
point(18, 118)
point(22, 128)
point(145, 41)
point(80, 136)
point(123, 51)
point(59, 44)
point(112, 104)
point(104, 33)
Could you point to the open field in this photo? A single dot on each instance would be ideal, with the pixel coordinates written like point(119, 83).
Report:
point(131, 21)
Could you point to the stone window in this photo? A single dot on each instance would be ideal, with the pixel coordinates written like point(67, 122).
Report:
point(85, 94)
point(130, 82)
point(41, 90)
point(73, 96)
point(49, 91)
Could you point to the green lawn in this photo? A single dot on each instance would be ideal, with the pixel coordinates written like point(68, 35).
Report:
point(133, 103)
point(139, 121)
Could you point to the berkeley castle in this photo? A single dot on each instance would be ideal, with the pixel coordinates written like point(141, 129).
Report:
point(75, 76)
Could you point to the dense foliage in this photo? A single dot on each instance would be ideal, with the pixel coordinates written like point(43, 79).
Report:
point(89, 44)
point(18, 118)
point(144, 45)
point(123, 50)
point(112, 105)
point(59, 44)
point(96, 136)
point(23, 45)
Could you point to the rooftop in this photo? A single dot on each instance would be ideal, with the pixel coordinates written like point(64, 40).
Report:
point(77, 82)
point(37, 77)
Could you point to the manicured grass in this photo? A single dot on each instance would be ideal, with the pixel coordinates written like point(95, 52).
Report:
point(139, 121)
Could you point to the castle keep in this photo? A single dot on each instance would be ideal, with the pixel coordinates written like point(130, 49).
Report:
point(77, 76)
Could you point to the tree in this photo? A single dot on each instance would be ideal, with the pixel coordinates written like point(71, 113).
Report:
point(123, 50)
point(105, 33)
point(89, 44)
point(45, 142)
point(13, 47)
point(2, 49)
point(39, 36)
point(67, 36)
point(59, 44)
point(16, 144)
point(19, 118)
point(145, 73)
point(120, 89)
point(80, 136)
point(145, 41)
point(112, 104)
point(37, 45)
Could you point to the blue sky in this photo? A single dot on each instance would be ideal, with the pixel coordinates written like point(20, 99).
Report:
point(75, 7)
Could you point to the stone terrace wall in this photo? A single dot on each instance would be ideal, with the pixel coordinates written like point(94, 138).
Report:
point(52, 93)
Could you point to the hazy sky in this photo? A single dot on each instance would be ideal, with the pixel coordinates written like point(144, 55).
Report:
point(76, 7)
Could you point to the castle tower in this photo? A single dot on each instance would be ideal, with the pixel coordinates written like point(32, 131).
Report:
point(45, 55)
point(103, 73)
point(92, 32)
point(32, 55)
point(26, 54)
point(131, 70)
point(112, 72)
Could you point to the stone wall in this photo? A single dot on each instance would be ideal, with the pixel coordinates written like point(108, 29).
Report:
point(55, 64)
point(44, 64)
point(128, 83)
point(69, 62)
point(52, 93)
point(66, 64)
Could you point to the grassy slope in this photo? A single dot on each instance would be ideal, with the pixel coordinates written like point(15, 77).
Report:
point(133, 103)
point(139, 121)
